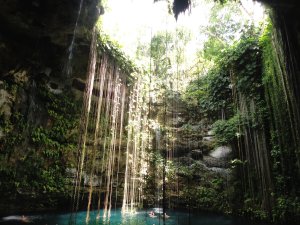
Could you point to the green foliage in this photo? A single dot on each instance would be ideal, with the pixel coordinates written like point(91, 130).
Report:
point(105, 44)
point(158, 52)
point(8, 182)
point(235, 87)
point(270, 67)
point(285, 207)
point(205, 197)
point(236, 162)
point(247, 72)
point(12, 130)
point(212, 48)
point(61, 109)
point(55, 142)
point(226, 131)
point(211, 94)
point(12, 127)
point(183, 37)
point(255, 213)
point(237, 68)
point(286, 180)
point(208, 193)
point(223, 28)
point(197, 93)
point(36, 156)
point(219, 89)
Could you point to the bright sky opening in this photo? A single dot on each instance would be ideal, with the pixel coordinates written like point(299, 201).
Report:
point(130, 22)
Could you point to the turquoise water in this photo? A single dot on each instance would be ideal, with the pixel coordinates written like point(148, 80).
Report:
point(140, 218)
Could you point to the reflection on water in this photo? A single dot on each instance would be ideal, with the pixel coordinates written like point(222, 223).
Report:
point(139, 218)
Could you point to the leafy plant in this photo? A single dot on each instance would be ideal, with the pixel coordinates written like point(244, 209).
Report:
point(226, 131)
point(107, 45)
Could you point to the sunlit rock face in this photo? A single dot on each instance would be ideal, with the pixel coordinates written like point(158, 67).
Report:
point(40, 31)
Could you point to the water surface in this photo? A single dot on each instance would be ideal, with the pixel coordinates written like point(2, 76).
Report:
point(139, 218)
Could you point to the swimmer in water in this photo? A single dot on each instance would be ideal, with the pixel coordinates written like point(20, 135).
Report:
point(22, 218)
point(25, 219)
point(151, 214)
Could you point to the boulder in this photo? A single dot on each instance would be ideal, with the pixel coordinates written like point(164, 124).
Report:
point(222, 152)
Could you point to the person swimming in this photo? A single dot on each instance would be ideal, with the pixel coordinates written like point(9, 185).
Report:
point(25, 219)
point(152, 214)
point(22, 218)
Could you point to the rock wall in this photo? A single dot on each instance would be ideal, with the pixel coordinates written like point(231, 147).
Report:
point(38, 33)
point(39, 109)
point(198, 171)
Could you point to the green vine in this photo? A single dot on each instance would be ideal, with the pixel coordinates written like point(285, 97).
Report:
point(112, 48)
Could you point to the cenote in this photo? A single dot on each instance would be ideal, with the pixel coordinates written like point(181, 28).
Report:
point(180, 107)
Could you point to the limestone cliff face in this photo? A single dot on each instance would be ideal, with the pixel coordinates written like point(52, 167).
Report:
point(38, 32)
point(38, 111)
point(35, 41)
